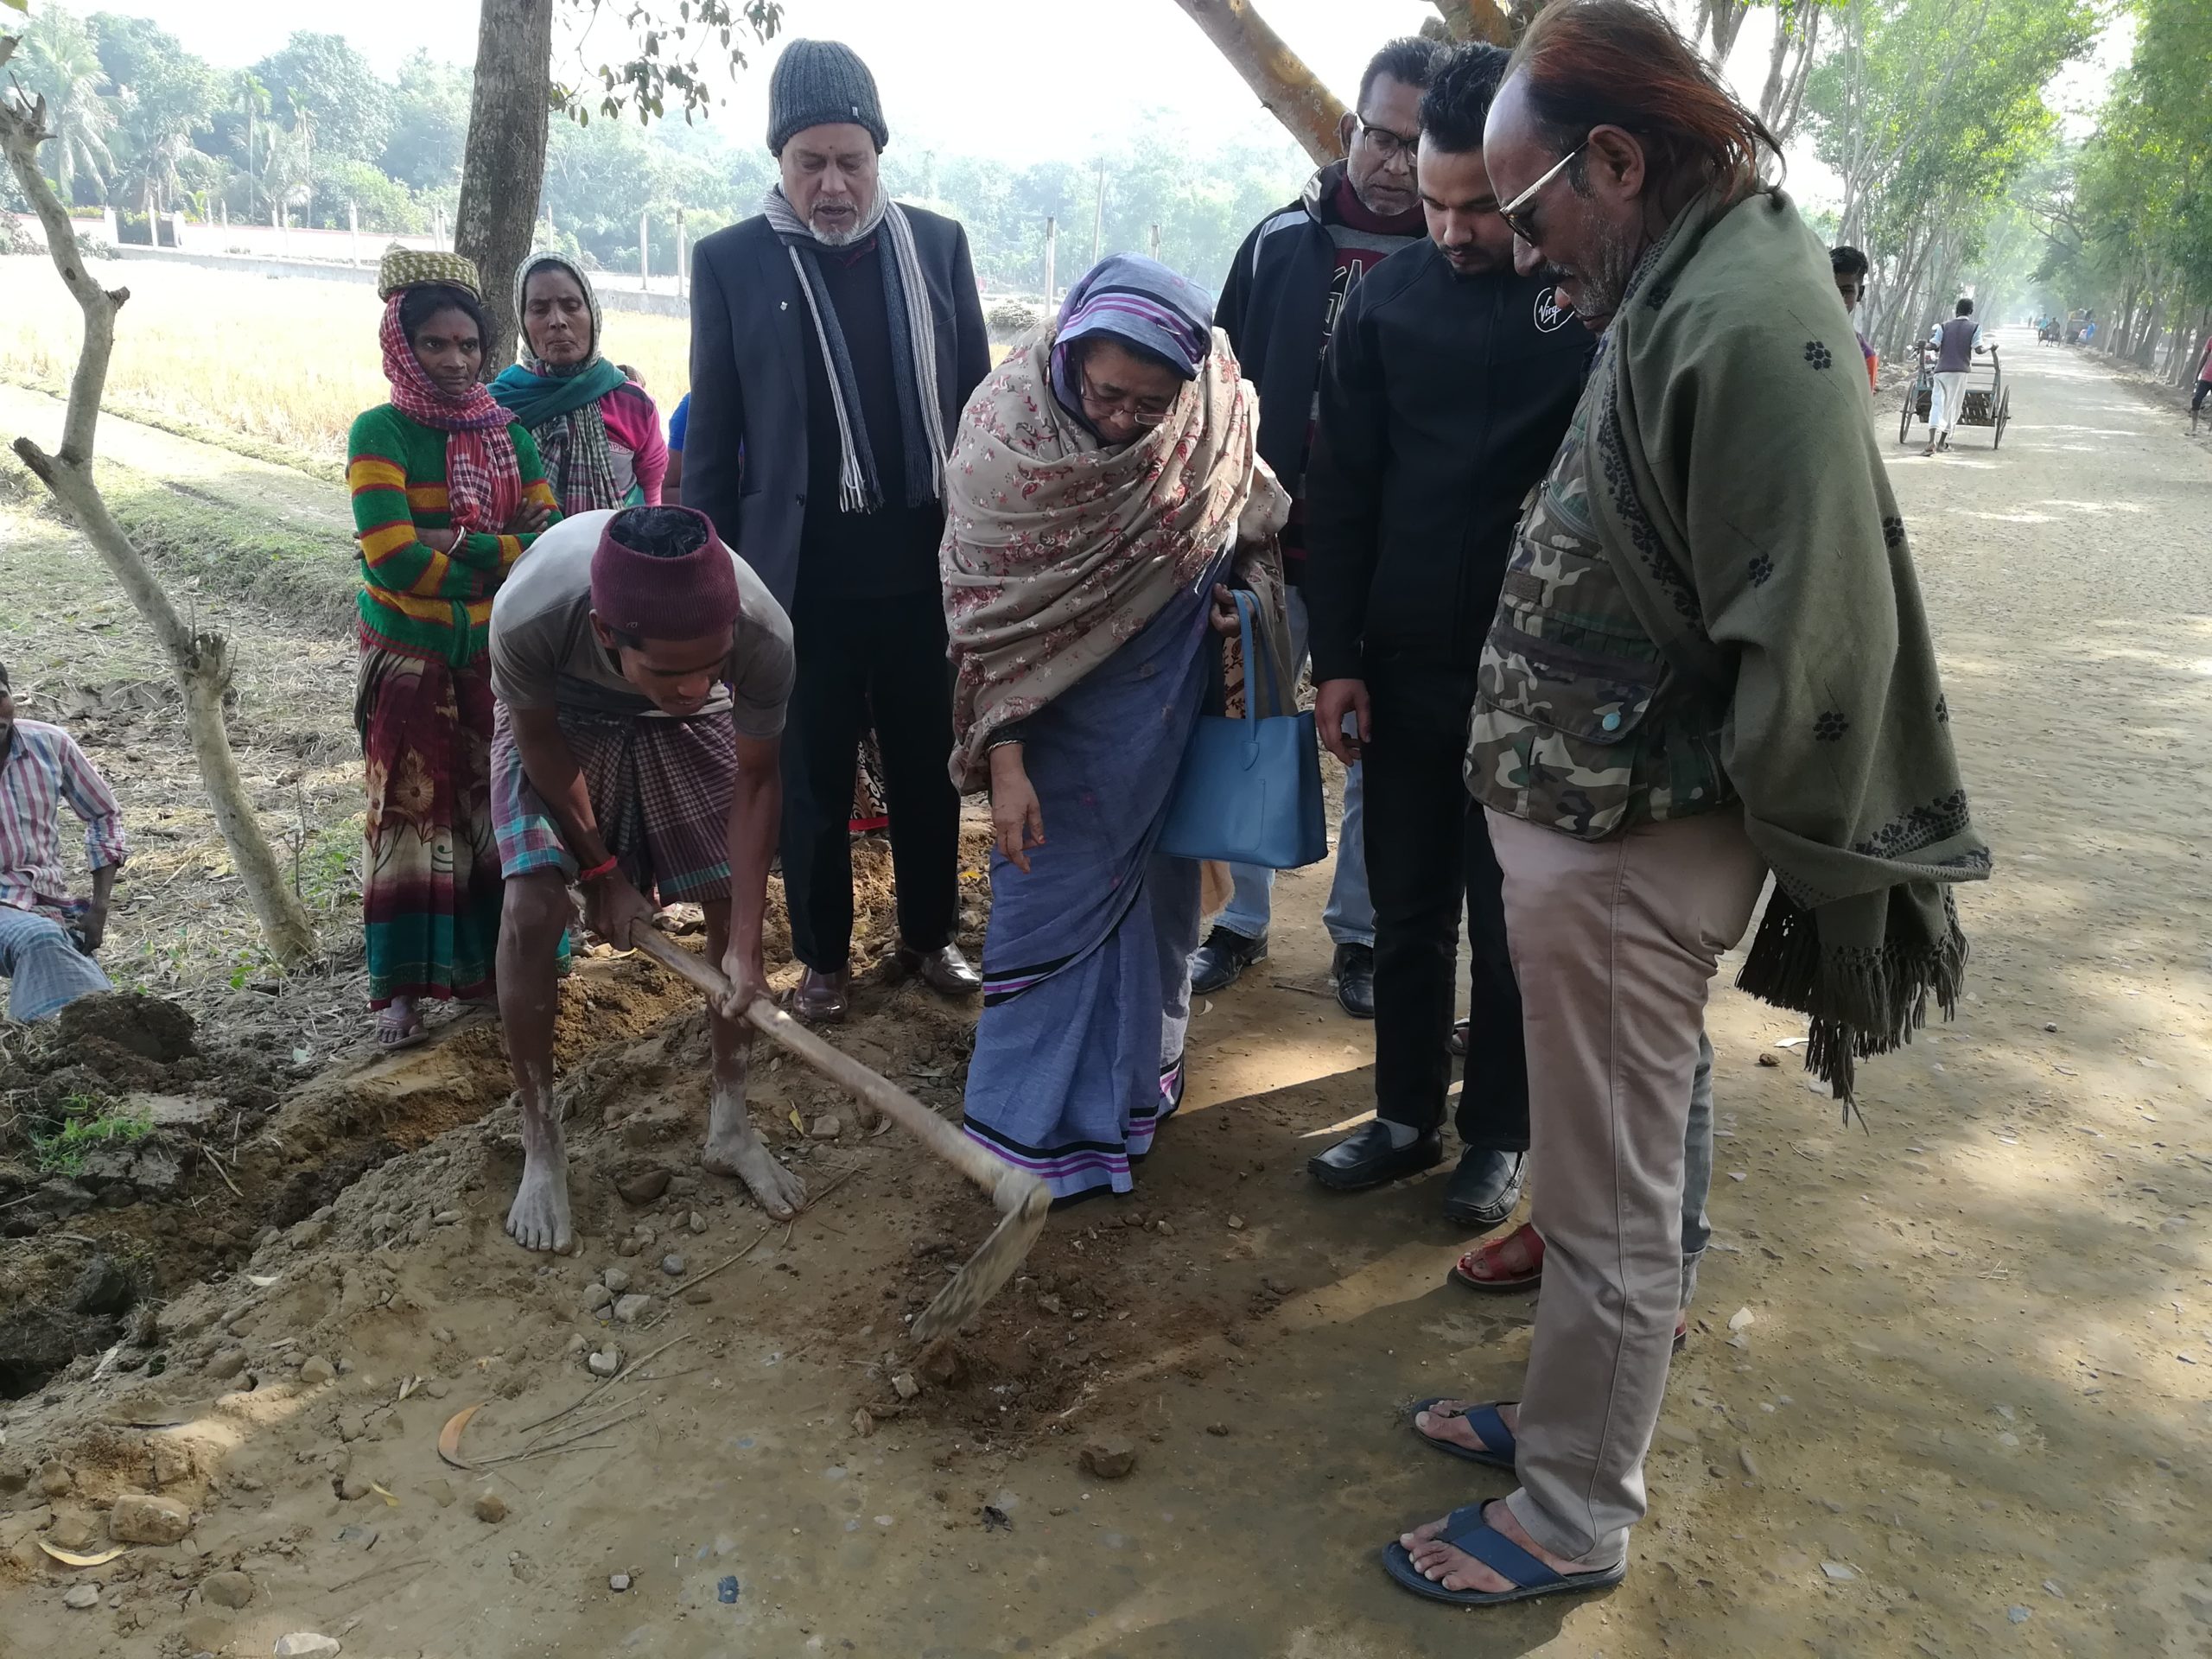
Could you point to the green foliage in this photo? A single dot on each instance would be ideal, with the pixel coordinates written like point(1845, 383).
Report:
point(58, 59)
point(1930, 110)
point(672, 45)
point(328, 90)
point(87, 1122)
point(2127, 219)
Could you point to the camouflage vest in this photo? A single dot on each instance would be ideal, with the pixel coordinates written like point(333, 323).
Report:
point(1579, 724)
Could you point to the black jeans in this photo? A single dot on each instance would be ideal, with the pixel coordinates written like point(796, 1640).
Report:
point(1427, 848)
point(863, 660)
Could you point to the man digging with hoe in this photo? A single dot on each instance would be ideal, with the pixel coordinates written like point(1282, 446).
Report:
point(642, 671)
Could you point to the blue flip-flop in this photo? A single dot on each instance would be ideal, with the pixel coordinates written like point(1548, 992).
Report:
point(1465, 1530)
point(1497, 1447)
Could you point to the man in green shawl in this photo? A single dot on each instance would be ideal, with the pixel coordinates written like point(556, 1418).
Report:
point(1709, 663)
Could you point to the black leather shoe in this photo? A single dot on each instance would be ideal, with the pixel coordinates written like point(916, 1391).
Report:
point(822, 999)
point(1367, 1159)
point(1483, 1191)
point(1353, 970)
point(1216, 964)
point(945, 970)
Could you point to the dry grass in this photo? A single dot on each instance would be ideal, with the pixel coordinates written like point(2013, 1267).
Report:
point(287, 360)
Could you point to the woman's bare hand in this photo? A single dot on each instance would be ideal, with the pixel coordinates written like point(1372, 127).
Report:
point(529, 518)
point(1223, 614)
point(1017, 819)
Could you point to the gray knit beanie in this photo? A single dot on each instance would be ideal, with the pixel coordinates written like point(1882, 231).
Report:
point(818, 83)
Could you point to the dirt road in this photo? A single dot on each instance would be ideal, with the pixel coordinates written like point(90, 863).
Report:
point(1967, 1415)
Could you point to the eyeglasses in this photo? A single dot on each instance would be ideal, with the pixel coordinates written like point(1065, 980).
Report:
point(1516, 220)
point(1389, 146)
point(1145, 411)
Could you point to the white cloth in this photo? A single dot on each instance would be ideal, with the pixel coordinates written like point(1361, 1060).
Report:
point(1943, 404)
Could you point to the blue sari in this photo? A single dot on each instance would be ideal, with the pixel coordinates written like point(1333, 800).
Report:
point(1087, 960)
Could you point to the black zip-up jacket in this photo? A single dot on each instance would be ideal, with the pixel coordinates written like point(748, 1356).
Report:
point(1443, 401)
point(1273, 307)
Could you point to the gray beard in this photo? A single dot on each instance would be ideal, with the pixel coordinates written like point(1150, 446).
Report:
point(1604, 285)
point(843, 238)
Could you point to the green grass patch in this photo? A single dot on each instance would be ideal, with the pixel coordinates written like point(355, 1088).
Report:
point(88, 1122)
point(315, 578)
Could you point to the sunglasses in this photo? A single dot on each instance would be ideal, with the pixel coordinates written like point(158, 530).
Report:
point(1514, 213)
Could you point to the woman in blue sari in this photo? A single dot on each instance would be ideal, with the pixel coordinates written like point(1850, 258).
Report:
point(1094, 499)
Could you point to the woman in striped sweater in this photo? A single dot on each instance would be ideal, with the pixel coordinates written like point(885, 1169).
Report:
point(447, 496)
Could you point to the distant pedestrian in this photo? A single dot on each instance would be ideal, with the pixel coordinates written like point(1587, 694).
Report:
point(1285, 291)
point(835, 337)
point(1850, 268)
point(598, 433)
point(48, 937)
point(2203, 382)
point(448, 493)
point(1950, 348)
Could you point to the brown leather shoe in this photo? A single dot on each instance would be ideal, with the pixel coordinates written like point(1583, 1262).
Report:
point(945, 970)
point(822, 999)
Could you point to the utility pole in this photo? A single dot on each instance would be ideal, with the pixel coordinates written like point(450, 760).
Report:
point(1098, 217)
point(1052, 247)
point(353, 225)
point(1155, 241)
point(683, 265)
point(645, 255)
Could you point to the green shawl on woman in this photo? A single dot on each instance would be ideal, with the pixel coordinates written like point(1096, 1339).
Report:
point(560, 405)
point(1743, 500)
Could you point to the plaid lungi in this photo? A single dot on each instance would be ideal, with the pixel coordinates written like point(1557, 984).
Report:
point(660, 790)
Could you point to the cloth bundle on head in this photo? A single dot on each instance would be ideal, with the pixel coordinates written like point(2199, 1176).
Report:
point(483, 475)
point(913, 352)
point(1141, 302)
point(403, 267)
point(559, 402)
point(661, 573)
point(821, 84)
point(1058, 550)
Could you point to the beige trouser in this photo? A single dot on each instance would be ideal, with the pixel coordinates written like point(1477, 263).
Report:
point(1614, 943)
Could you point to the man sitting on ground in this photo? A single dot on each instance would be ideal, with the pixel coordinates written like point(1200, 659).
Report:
point(46, 939)
point(642, 671)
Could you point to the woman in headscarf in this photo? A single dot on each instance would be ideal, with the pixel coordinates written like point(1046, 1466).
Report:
point(447, 495)
point(595, 427)
point(1093, 505)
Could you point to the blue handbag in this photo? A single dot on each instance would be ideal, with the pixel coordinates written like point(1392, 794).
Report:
point(1249, 788)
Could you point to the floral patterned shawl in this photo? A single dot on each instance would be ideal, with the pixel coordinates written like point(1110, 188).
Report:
point(1058, 550)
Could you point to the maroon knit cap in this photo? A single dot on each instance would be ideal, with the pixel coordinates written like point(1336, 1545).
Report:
point(654, 578)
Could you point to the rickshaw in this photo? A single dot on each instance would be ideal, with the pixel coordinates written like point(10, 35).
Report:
point(1982, 405)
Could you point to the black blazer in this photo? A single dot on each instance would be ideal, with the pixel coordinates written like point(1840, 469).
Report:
point(745, 451)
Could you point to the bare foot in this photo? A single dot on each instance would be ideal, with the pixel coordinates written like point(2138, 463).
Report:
point(733, 1147)
point(1445, 1421)
point(1441, 1563)
point(539, 1218)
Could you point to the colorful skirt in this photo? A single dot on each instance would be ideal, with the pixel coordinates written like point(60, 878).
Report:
point(430, 893)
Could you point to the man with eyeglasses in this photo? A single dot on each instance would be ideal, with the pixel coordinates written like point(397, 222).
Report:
point(1448, 383)
point(1281, 303)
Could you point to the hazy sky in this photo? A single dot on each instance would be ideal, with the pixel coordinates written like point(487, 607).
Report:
point(1037, 79)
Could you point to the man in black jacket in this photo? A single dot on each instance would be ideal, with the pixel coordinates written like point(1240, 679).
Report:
point(835, 338)
point(1283, 296)
point(1448, 386)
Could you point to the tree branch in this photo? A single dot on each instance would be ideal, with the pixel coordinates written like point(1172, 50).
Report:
point(1477, 20)
point(1287, 88)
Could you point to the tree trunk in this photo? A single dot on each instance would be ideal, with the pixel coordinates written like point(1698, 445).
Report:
point(503, 170)
point(200, 661)
point(1285, 87)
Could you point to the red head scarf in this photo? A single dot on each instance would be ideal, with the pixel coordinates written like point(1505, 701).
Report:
point(483, 477)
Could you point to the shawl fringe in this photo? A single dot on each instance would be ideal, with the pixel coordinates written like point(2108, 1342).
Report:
point(1861, 1003)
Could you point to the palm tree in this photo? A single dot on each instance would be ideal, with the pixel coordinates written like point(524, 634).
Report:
point(253, 100)
point(58, 61)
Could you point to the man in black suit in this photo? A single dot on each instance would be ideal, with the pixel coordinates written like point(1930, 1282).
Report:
point(835, 338)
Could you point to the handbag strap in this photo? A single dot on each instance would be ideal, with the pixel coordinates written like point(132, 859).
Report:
point(1248, 606)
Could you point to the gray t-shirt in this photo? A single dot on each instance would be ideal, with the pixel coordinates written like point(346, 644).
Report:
point(544, 652)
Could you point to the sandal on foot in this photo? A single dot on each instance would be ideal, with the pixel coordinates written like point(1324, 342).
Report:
point(1497, 1447)
point(1532, 1247)
point(1466, 1531)
point(390, 1038)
